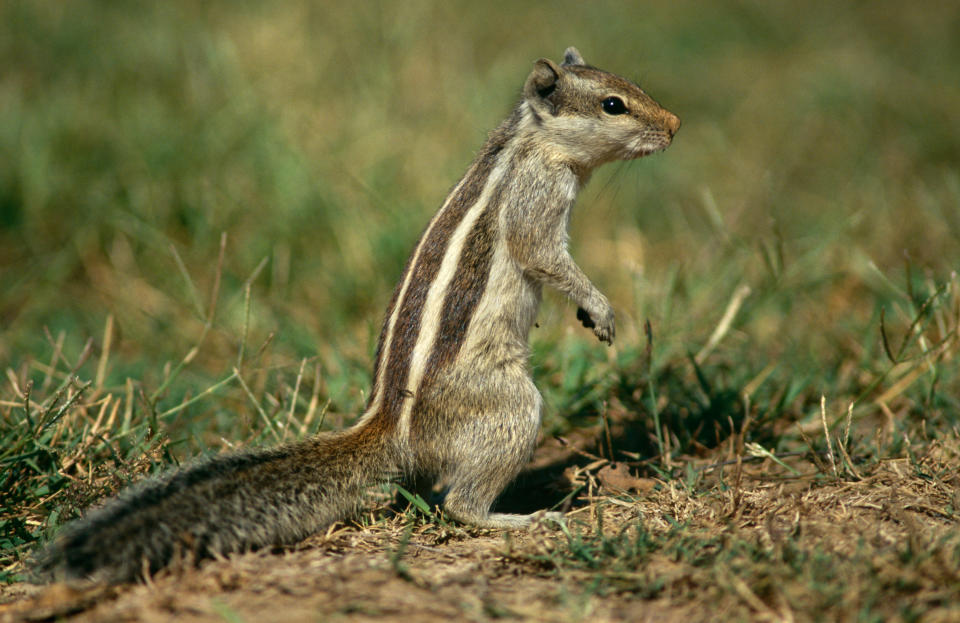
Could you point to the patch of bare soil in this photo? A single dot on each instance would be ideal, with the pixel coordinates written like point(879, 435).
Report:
point(755, 542)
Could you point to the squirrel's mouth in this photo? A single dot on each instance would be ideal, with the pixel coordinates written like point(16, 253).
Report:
point(646, 150)
point(649, 143)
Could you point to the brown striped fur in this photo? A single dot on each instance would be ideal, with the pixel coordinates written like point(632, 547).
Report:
point(452, 401)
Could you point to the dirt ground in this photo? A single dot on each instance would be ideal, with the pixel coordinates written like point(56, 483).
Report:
point(748, 542)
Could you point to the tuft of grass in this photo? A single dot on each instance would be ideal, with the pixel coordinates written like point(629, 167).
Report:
point(60, 452)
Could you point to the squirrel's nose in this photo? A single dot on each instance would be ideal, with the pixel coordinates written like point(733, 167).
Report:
point(673, 123)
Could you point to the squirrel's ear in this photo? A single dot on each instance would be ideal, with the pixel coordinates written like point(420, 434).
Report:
point(541, 84)
point(572, 57)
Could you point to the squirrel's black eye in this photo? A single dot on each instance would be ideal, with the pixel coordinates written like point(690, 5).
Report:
point(614, 106)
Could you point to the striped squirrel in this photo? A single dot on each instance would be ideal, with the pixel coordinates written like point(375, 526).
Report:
point(453, 401)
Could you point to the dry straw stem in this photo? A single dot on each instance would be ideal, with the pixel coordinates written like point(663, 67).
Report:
point(826, 434)
point(256, 404)
point(104, 354)
point(293, 398)
point(844, 445)
point(208, 323)
point(314, 403)
point(248, 284)
point(729, 314)
point(186, 403)
point(754, 384)
point(755, 450)
point(606, 430)
point(191, 288)
point(54, 358)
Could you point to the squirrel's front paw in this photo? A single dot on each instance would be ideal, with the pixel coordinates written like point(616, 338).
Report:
point(600, 321)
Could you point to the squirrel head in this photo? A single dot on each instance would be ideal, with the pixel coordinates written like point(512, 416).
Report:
point(594, 116)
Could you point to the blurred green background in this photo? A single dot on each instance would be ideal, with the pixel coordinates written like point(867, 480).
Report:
point(817, 163)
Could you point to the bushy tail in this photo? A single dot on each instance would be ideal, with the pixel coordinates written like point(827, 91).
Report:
point(228, 503)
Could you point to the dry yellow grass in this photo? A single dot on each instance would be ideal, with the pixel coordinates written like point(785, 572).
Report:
point(765, 546)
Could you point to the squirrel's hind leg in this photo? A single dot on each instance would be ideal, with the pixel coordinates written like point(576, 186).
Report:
point(490, 449)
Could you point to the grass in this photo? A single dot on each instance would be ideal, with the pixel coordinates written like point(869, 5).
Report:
point(203, 211)
point(786, 556)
